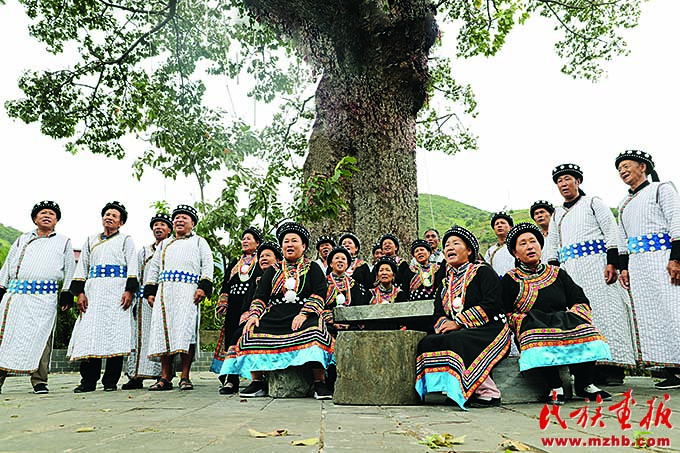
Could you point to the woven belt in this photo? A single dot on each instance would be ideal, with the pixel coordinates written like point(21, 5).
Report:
point(179, 276)
point(32, 286)
point(649, 243)
point(582, 249)
point(108, 270)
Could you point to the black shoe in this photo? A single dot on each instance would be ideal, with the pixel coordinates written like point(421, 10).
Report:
point(133, 384)
point(321, 391)
point(254, 390)
point(556, 399)
point(592, 392)
point(40, 389)
point(82, 389)
point(672, 382)
point(111, 389)
point(480, 403)
point(228, 389)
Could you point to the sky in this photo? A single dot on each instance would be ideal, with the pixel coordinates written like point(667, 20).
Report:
point(532, 117)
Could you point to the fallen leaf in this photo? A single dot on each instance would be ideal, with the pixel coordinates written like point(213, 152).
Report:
point(87, 429)
point(458, 440)
point(275, 433)
point(442, 440)
point(514, 445)
point(148, 429)
point(104, 410)
point(130, 397)
point(305, 442)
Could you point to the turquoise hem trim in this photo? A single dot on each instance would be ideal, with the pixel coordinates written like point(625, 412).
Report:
point(441, 382)
point(216, 366)
point(564, 355)
point(246, 363)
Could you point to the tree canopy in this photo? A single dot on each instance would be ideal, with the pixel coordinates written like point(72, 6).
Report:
point(144, 67)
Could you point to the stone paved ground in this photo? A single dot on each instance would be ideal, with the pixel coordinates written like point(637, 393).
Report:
point(202, 420)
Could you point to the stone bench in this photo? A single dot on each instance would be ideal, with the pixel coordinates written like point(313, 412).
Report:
point(378, 367)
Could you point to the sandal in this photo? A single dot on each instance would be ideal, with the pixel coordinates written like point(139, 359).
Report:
point(161, 385)
point(185, 384)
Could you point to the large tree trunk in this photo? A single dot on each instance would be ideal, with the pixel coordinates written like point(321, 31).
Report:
point(365, 120)
point(374, 64)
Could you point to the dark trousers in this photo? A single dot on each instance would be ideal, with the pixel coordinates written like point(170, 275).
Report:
point(91, 369)
point(39, 376)
point(583, 375)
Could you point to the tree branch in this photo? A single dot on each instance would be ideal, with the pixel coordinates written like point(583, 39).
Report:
point(134, 10)
point(172, 9)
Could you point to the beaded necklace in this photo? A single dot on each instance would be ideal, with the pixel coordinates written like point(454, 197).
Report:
point(244, 267)
point(287, 280)
point(356, 262)
point(453, 299)
point(424, 275)
point(340, 290)
point(383, 295)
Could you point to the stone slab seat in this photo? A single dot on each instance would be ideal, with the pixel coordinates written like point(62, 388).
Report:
point(376, 367)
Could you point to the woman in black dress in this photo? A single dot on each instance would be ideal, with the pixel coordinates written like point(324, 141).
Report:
point(268, 254)
point(420, 280)
point(343, 290)
point(387, 290)
point(551, 318)
point(238, 279)
point(284, 326)
point(389, 244)
point(358, 268)
point(471, 333)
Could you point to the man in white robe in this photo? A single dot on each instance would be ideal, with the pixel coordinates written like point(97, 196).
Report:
point(583, 241)
point(649, 238)
point(498, 255)
point(179, 278)
point(139, 367)
point(541, 212)
point(105, 283)
point(37, 263)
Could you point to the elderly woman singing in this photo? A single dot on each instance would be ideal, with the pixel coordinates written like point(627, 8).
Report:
point(471, 335)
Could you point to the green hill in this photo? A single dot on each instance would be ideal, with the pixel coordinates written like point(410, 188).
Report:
point(447, 212)
point(7, 236)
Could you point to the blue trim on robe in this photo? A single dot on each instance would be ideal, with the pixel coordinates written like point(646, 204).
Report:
point(244, 364)
point(441, 382)
point(216, 366)
point(543, 356)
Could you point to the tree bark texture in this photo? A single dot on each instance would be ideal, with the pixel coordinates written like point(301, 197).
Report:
point(374, 61)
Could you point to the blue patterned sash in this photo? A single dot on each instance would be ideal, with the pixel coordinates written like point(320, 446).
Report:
point(32, 286)
point(649, 243)
point(582, 249)
point(108, 270)
point(178, 276)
